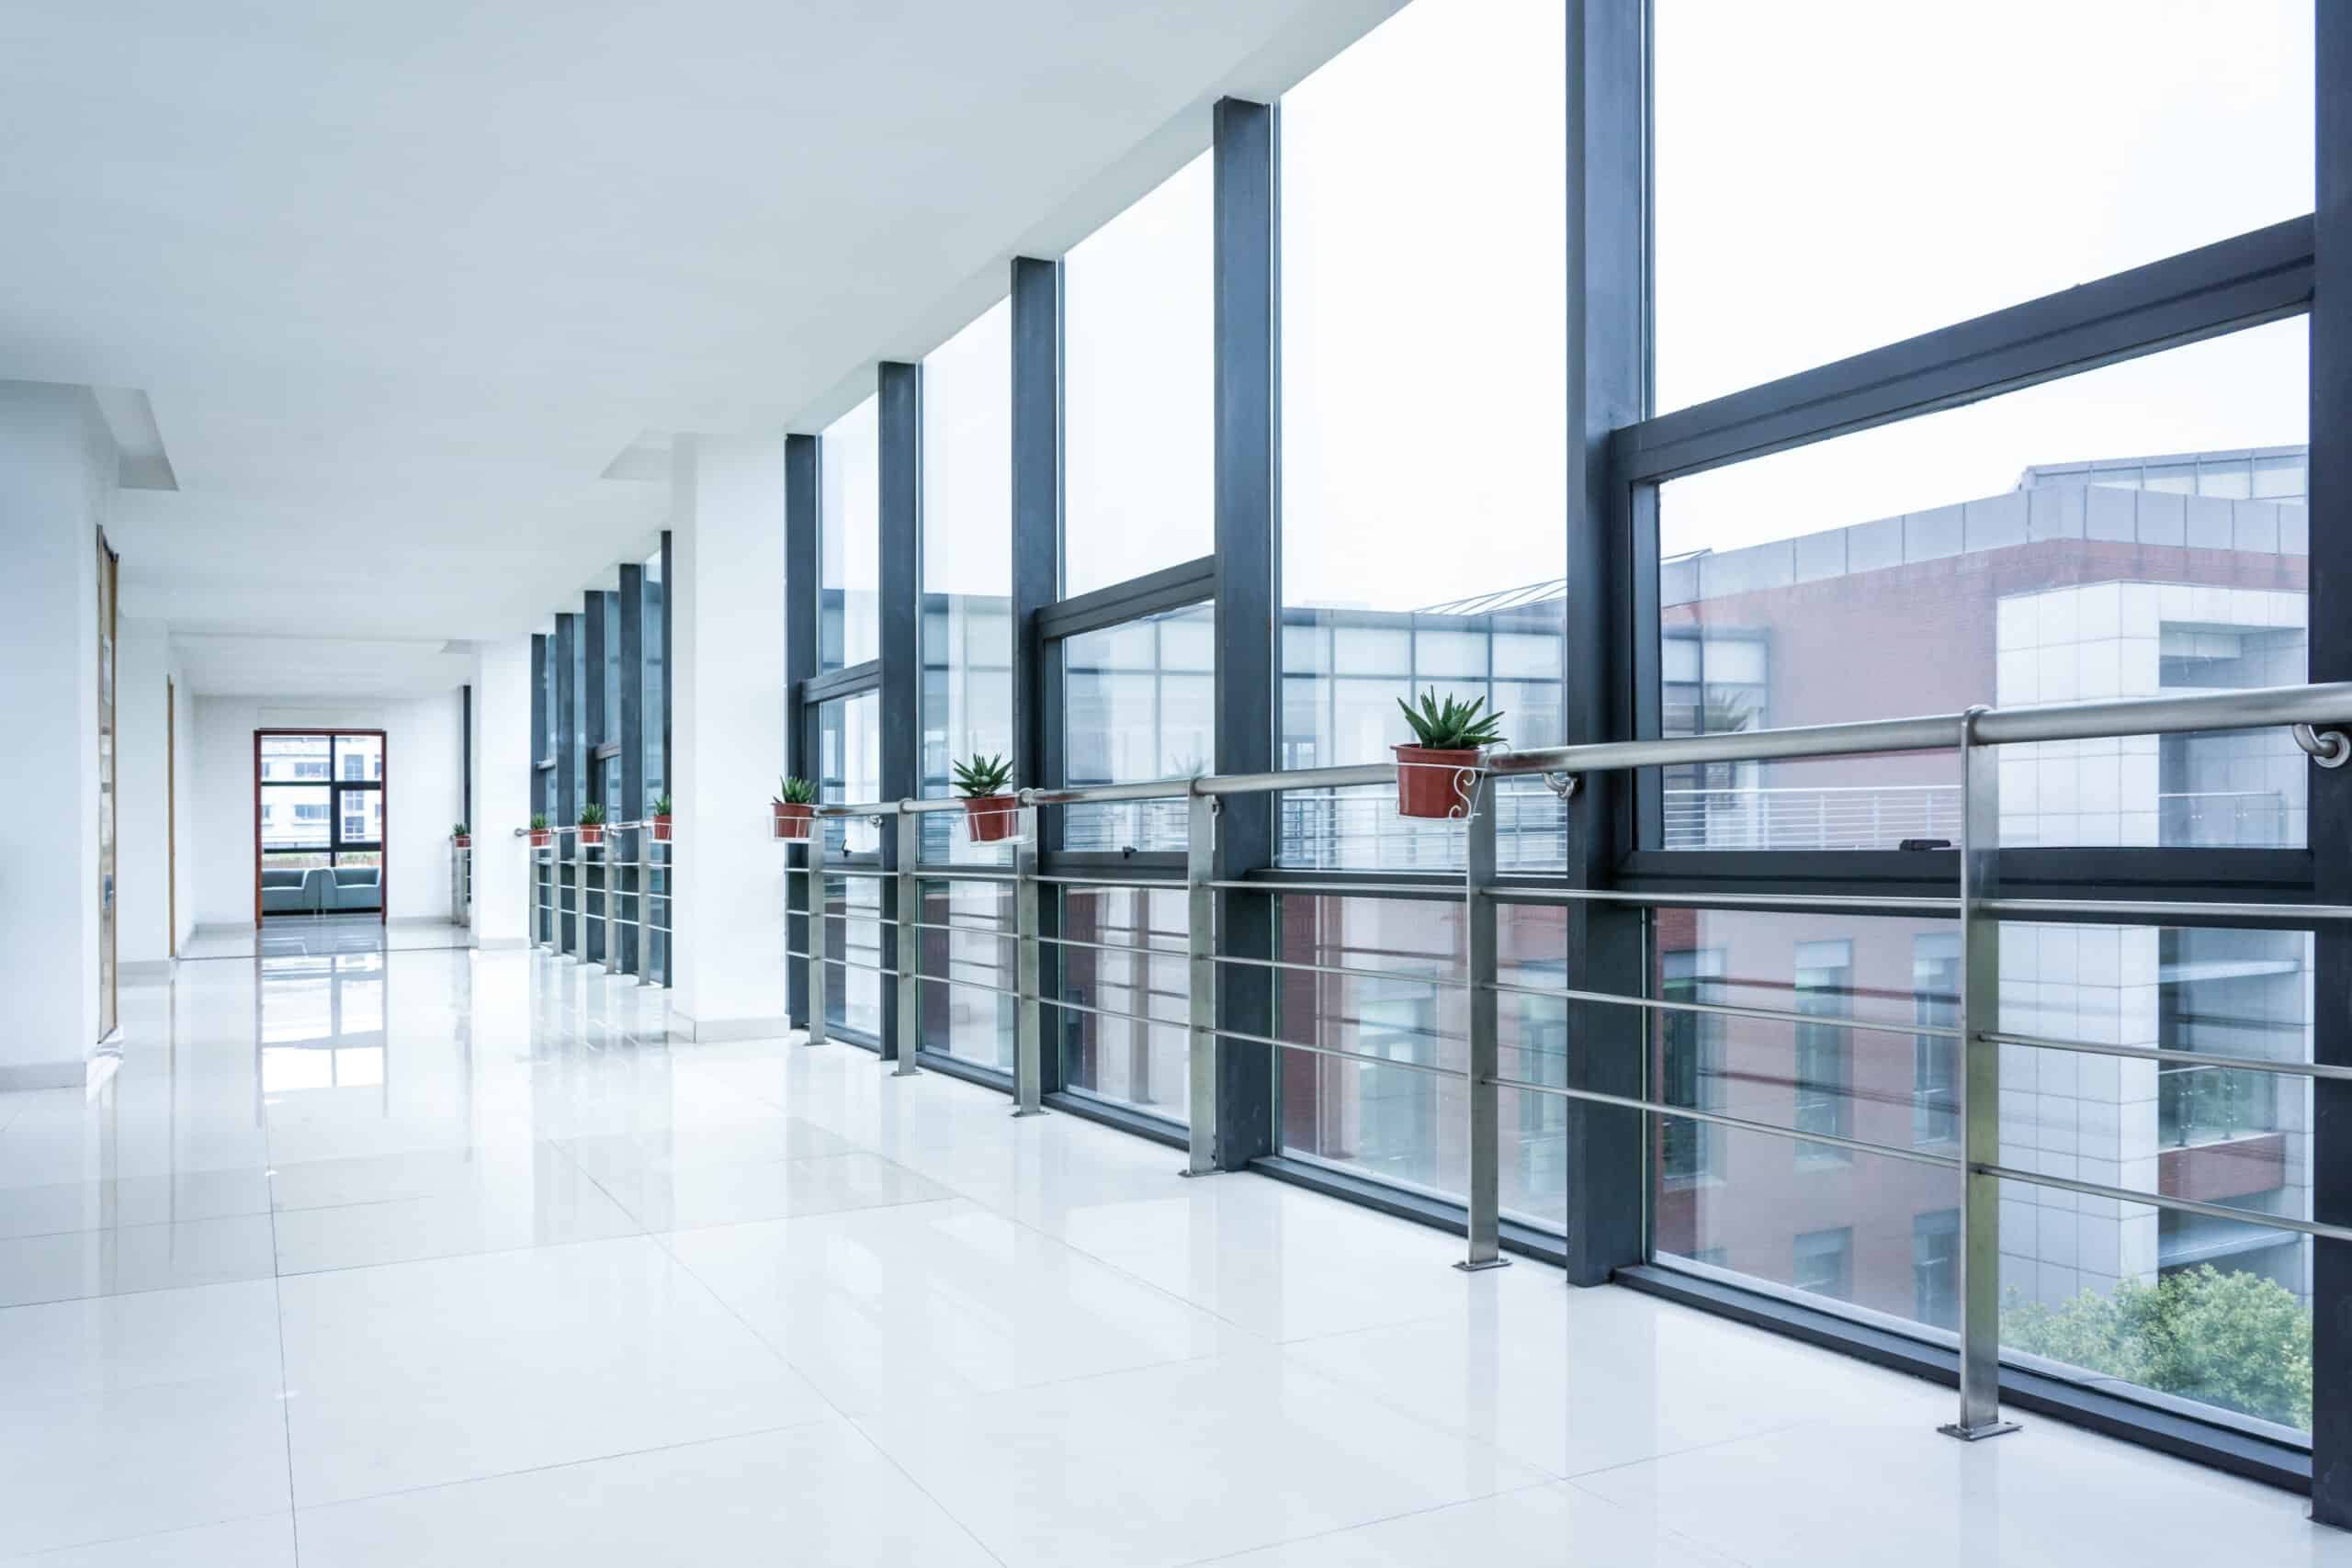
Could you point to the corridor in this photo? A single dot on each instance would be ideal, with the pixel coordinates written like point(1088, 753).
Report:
point(438, 1256)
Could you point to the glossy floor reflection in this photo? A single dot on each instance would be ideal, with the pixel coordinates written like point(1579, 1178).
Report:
point(403, 1256)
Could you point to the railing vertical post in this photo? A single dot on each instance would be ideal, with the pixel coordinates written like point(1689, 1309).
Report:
point(578, 899)
point(819, 931)
point(1028, 1023)
point(1980, 1091)
point(910, 1018)
point(1200, 900)
point(1479, 921)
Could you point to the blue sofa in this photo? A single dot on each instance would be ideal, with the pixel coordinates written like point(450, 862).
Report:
point(322, 890)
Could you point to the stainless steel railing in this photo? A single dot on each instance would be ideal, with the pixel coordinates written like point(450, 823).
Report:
point(621, 846)
point(2316, 714)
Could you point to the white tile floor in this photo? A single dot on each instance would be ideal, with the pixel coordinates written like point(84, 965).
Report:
point(407, 1256)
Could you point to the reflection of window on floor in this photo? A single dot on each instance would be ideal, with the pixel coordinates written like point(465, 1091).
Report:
point(1824, 985)
point(1935, 1058)
point(1935, 1267)
point(1825, 1262)
point(1690, 1062)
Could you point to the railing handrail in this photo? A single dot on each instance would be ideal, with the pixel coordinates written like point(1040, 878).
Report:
point(2328, 703)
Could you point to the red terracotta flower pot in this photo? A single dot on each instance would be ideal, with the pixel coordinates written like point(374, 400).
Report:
point(1433, 784)
point(463, 840)
point(792, 821)
point(541, 837)
point(662, 830)
point(591, 834)
point(991, 818)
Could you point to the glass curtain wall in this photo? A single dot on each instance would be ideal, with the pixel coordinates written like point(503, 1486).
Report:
point(1138, 356)
point(967, 677)
point(849, 623)
point(2123, 531)
point(1434, 568)
point(849, 764)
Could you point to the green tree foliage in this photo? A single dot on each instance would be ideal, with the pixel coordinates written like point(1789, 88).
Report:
point(2238, 1341)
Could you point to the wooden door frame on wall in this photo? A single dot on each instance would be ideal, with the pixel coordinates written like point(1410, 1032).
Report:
point(172, 816)
point(110, 656)
point(383, 793)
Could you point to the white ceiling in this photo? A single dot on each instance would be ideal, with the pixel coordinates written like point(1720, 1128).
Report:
point(401, 282)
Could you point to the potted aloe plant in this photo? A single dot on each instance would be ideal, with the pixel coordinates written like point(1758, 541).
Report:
point(991, 812)
point(661, 813)
point(795, 803)
point(540, 832)
point(592, 824)
point(1436, 775)
point(462, 836)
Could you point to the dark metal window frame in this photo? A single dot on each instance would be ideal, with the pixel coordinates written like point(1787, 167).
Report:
point(336, 845)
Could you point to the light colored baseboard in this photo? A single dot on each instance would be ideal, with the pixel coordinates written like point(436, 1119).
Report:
point(501, 944)
point(714, 1031)
point(148, 969)
point(71, 1074)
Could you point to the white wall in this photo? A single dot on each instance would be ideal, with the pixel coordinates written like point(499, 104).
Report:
point(57, 469)
point(727, 733)
point(143, 665)
point(503, 762)
point(424, 796)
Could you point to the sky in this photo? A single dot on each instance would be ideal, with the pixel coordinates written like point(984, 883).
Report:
point(1830, 175)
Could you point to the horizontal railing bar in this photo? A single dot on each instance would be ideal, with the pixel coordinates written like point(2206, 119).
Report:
point(844, 962)
point(967, 931)
point(969, 985)
point(1112, 1013)
point(2166, 1201)
point(1147, 884)
point(1116, 947)
point(1300, 778)
point(1727, 1010)
point(1342, 969)
point(1431, 889)
point(1859, 901)
point(1890, 1150)
point(2166, 1054)
point(2147, 909)
point(1431, 1068)
point(944, 873)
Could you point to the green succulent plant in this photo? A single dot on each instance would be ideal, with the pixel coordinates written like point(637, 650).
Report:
point(591, 815)
point(1453, 726)
point(539, 821)
point(794, 792)
point(661, 803)
point(460, 831)
point(983, 775)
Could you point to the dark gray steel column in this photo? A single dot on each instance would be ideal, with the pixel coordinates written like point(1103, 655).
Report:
point(629, 879)
point(2331, 790)
point(1036, 584)
point(1247, 492)
point(538, 721)
point(801, 501)
point(567, 780)
point(900, 417)
point(595, 871)
point(1606, 304)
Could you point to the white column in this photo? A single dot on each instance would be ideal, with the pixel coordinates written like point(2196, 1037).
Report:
point(57, 470)
point(503, 763)
point(727, 733)
point(142, 875)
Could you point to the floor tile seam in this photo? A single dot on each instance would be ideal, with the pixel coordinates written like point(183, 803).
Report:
point(118, 1227)
point(637, 1234)
point(816, 1214)
point(855, 1425)
point(1684, 1450)
point(145, 1290)
point(768, 1429)
point(1365, 1524)
point(786, 1159)
point(1658, 1527)
point(145, 1535)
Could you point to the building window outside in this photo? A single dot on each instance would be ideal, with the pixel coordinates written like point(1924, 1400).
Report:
point(1824, 1067)
point(1139, 703)
point(1690, 1064)
point(1935, 1267)
point(1935, 1059)
point(1825, 1263)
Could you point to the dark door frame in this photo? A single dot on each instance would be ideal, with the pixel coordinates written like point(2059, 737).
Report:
point(383, 793)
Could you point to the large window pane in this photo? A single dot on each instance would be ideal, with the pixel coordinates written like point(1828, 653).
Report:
point(849, 767)
point(2020, 550)
point(967, 566)
point(1422, 255)
point(2102, 1285)
point(1395, 1122)
point(971, 1019)
point(1138, 359)
point(1136, 1049)
point(1941, 163)
point(1140, 705)
point(849, 540)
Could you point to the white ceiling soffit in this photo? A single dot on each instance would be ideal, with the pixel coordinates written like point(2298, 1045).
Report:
point(325, 667)
point(398, 282)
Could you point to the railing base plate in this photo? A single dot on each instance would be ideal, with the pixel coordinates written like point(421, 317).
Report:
point(1469, 1268)
point(1039, 1112)
point(1977, 1434)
